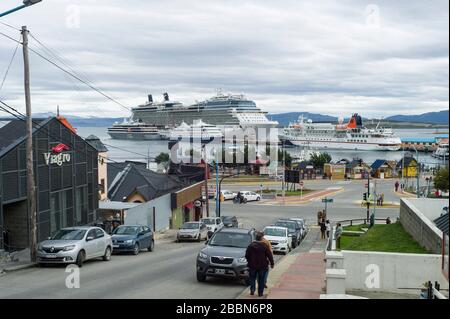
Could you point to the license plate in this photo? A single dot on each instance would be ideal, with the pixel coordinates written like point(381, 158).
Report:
point(116, 246)
point(50, 256)
point(220, 271)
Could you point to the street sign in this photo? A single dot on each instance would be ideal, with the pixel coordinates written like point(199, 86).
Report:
point(302, 184)
point(327, 200)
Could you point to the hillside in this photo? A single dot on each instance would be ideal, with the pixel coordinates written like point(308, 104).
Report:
point(430, 117)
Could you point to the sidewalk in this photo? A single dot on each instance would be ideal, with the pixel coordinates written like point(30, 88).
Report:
point(15, 261)
point(299, 275)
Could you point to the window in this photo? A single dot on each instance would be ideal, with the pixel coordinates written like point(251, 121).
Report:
point(99, 233)
point(102, 186)
point(92, 233)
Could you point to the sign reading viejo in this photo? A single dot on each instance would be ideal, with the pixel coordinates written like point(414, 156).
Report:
point(57, 156)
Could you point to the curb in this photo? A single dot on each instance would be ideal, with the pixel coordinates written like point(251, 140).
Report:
point(17, 268)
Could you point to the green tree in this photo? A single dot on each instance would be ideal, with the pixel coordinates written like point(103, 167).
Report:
point(441, 179)
point(320, 159)
point(162, 158)
point(287, 157)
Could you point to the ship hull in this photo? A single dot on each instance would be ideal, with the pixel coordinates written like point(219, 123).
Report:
point(341, 145)
point(135, 136)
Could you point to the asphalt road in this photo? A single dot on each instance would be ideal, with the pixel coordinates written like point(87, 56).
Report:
point(169, 271)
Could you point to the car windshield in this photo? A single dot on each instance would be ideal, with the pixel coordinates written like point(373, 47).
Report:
point(231, 240)
point(289, 225)
point(275, 232)
point(126, 230)
point(69, 234)
point(190, 226)
point(209, 221)
point(227, 219)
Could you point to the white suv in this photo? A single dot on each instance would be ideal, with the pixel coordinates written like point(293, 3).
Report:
point(213, 224)
point(279, 238)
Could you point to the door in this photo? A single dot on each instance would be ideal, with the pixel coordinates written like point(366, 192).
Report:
point(100, 242)
point(91, 244)
point(145, 237)
point(203, 231)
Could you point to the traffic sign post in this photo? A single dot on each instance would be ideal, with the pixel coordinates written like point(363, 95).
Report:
point(326, 201)
point(301, 189)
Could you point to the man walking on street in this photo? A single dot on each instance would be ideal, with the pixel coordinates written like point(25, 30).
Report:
point(269, 246)
point(338, 234)
point(258, 258)
point(323, 228)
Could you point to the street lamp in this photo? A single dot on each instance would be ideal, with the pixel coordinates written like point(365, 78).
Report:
point(26, 3)
point(418, 171)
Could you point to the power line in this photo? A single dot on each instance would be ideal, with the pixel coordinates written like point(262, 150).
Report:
point(9, 66)
point(69, 73)
point(10, 26)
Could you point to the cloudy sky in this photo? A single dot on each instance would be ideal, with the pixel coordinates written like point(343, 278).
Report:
point(333, 57)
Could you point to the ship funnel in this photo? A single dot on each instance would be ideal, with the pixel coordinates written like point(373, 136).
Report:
point(150, 98)
point(166, 97)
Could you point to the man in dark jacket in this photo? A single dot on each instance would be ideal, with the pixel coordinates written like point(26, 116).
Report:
point(258, 258)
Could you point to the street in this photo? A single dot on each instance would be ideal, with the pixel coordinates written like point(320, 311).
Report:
point(169, 271)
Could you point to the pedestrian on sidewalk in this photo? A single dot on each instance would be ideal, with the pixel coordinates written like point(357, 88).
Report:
point(323, 228)
point(319, 217)
point(397, 185)
point(258, 259)
point(382, 199)
point(269, 246)
point(328, 228)
point(337, 235)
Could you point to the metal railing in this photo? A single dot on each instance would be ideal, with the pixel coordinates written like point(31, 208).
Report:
point(351, 222)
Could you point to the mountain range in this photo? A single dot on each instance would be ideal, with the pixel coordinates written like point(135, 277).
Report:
point(440, 117)
point(284, 119)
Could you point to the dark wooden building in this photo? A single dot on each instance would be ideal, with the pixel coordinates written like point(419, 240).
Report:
point(65, 174)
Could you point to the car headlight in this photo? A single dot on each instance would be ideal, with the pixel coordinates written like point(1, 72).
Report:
point(242, 260)
point(202, 255)
point(40, 247)
point(129, 241)
point(69, 248)
point(283, 241)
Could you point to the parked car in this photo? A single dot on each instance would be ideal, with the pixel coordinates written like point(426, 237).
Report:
point(224, 255)
point(228, 195)
point(75, 245)
point(133, 238)
point(192, 231)
point(294, 230)
point(279, 238)
point(213, 224)
point(230, 221)
point(302, 224)
point(248, 196)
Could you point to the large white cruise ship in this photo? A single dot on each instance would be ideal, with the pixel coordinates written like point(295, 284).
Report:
point(222, 110)
point(350, 136)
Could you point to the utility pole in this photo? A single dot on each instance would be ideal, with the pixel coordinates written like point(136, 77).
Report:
point(368, 195)
point(284, 174)
point(206, 182)
point(31, 189)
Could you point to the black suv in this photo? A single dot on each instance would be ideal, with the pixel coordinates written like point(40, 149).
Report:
point(224, 255)
point(230, 221)
point(294, 230)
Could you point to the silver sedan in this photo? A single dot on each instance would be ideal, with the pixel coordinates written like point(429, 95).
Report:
point(75, 245)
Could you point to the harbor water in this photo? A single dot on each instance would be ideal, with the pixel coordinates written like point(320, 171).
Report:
point(121, 150)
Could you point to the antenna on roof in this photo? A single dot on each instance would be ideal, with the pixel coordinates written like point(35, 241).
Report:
point(57, 110)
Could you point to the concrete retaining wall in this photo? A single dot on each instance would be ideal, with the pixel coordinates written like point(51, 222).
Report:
point(416, 217)
point(376, 271)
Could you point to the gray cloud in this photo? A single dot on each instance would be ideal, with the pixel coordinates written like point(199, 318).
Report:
point(322, 56)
